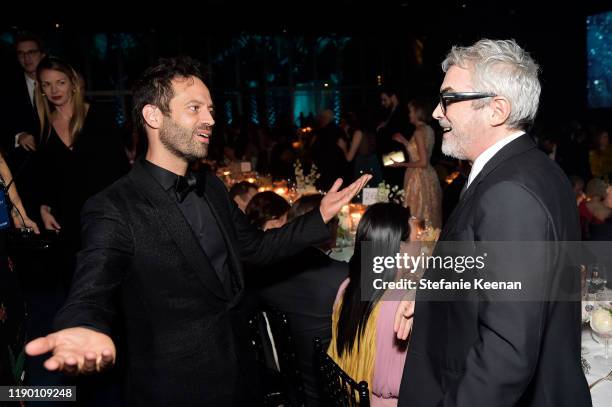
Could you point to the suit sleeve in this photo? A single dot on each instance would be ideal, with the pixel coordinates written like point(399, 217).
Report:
point(262, 248)
point(102, 263)
point(500, 364)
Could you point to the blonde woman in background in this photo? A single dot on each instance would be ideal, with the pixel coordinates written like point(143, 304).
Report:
point(422, 191)
point(81, 153)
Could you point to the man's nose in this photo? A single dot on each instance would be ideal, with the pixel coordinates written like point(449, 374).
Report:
point(437, 113)
point(207, 118)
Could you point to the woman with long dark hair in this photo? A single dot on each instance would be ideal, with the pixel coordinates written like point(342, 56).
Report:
point(363, 340)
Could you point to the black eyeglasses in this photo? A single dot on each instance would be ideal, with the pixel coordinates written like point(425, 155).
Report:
point(451, 97)
point(29, 53)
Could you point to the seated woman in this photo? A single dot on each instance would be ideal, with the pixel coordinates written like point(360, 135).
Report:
point(267, 210)
point(593, 211)
point(364, 343)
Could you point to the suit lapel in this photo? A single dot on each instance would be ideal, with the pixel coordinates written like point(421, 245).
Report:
point(178, 228)
point(519, 146)
point(234, 266)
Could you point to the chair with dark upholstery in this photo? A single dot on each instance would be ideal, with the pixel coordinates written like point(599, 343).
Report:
point(276, 354)
point(337, 388)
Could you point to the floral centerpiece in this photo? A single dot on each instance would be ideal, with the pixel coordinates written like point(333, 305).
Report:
point(386, 193)
point(305, 183)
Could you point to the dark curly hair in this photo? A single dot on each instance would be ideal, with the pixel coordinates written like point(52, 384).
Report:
point(154, 87)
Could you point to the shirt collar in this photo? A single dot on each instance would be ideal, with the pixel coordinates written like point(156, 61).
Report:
point(489, 153)
point(167, 179)
point(31, 82)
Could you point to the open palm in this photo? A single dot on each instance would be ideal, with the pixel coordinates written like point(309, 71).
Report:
point(336, 198)
point(75, 350)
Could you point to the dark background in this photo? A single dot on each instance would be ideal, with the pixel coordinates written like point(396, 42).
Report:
point(250, 48)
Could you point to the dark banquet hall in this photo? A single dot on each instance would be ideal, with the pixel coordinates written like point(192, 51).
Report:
point(316, 203)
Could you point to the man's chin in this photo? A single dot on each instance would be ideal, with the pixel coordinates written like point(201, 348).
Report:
point(191, 156)
point(196, 157)
point(452, 151)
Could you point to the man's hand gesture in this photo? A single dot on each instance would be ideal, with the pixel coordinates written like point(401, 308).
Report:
point(336, 198)
point(75, 351)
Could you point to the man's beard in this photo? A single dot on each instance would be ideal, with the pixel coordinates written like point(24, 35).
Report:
point(452, 147)
point(181, 141)
point(457, 144)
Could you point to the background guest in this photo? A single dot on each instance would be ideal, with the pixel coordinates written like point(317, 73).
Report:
point(600, 157)
point(304, 287)
point(422, 191)
point(242, 193)
point(22, 137)
point(593, 210)
point(364, 343)
point(81, 153)
point(395, 123)
point(267, 210)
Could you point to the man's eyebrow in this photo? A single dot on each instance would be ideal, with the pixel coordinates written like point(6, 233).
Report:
point(447, 89)
point(199, 102)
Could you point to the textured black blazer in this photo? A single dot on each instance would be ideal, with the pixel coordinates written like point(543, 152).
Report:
point(505, 353)
point(187, 342)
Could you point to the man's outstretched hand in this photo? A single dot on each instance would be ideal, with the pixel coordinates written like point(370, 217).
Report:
point(75, 351)
point(336, 198)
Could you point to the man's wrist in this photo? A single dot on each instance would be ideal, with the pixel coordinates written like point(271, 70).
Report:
point(323, 216)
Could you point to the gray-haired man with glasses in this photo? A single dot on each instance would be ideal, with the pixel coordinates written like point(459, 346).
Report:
point(480, 351)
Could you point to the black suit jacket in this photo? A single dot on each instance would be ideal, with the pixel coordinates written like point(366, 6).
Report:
point(22, 117)
point(504, 353)
point(187, 340)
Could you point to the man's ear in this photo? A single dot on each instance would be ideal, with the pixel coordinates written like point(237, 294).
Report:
point(500, 112)
point(153, 116)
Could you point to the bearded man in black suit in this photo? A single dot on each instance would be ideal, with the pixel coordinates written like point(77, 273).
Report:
point(164, 248)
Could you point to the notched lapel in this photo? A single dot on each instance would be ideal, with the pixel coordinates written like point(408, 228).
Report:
point(222, 214)
point(519, 146)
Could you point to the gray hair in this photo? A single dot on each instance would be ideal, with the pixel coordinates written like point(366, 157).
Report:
point(504, 68)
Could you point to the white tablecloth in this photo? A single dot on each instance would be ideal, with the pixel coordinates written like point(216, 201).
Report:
point(342, 254)
point(602, 392)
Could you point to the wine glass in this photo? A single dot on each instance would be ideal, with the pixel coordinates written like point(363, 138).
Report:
point(601, 324)
point(597, 282)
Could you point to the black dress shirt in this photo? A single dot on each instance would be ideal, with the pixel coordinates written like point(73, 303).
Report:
point(201, 220)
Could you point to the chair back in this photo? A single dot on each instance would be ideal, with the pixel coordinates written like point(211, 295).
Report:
point(336, 387)
point(274, 348)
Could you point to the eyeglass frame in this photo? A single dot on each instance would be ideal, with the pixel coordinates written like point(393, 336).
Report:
point(453, 97)
point(29, 53)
